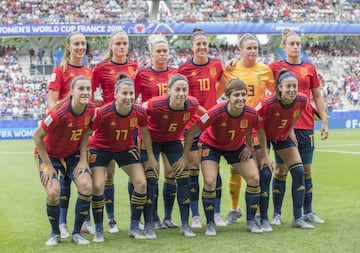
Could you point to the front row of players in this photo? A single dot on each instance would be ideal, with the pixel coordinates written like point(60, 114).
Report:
point(63, 139)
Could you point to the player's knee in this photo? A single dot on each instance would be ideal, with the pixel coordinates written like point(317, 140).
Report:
point(109, 174)
point(253, 179)
point(53, 193)
point(140, 185)
point(210, 183)
point(84, 185)
point(98, 187)
point(281, 170)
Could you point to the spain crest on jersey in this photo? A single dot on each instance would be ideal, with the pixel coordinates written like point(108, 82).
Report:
point(244, 123)
point(296, 113)
point(303, 72)
point(87, 121)
point(213, 71)
point(186, 116)
point(131, 71)
point(133, 122)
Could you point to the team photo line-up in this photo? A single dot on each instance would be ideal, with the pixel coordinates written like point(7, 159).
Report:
point(119, 113)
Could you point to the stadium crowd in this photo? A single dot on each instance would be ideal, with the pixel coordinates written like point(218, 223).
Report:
point(21, 96)
point(105, 11)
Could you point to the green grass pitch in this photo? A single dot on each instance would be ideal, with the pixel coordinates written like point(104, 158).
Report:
point(24, 226)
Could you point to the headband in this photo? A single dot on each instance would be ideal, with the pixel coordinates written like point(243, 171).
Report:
point(284, 75)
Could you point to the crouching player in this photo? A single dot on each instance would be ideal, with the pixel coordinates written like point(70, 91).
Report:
point(225, 128)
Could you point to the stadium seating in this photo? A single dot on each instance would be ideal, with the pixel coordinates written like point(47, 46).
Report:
point(134, 11)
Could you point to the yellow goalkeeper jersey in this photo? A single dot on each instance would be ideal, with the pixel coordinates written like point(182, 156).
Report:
point(258, 78)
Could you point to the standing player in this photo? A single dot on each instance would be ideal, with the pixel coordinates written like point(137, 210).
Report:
point(224, 130)
point(151, 82)
point(304, 129)
point(61, 145)
point(115, 125)
point(104, 78)
point(168, 116)
point(203, 73)
point(259, 80)
point(279, 113)
point(59, 86)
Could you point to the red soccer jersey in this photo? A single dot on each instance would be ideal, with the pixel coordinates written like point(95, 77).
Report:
point(166, 124)
point(308, 80)
point(115, 132)
point(105, 74)
point(150, 83)
point(224, 132)
point(277, 119)
point(60, 80)
point(65, 129)
point(202, 80)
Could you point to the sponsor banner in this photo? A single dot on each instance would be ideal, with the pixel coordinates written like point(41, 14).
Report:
point(176, 28)
point(17, 129)
point(342, 120)
point(16, 133)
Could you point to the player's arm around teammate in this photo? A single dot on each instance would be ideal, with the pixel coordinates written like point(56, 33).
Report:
point(224, 130)
point(61, 143)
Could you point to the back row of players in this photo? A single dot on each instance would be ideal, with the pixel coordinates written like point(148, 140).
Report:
point(175, 103)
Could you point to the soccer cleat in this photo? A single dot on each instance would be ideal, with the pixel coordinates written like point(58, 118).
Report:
point(265, 226)
point(159, 225)
point(219, 221)
point(300, 223)
point(149, 232)
point(64, 231)
point(210, 229)
point(53, 240)
point(170, 224)
point(186, 231)
point(196, 222)
point(276, 220)
point(141, 226)
point(136, 234)
point(112, 226)
point(232, 216)
point(312, 217)
point(87, 228)
point(99, 236)
point(252, 227)
point(79, 239)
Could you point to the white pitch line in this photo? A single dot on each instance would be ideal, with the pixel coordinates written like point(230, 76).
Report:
point(338, 145)
point(337, 151)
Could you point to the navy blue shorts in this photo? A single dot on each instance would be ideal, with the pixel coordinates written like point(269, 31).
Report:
point(65, 166)
point(209, 153)
point(306, 146)
point(172, 149)
point(102, 158)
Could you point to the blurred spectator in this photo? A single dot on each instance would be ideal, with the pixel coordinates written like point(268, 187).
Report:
point(134, 11)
